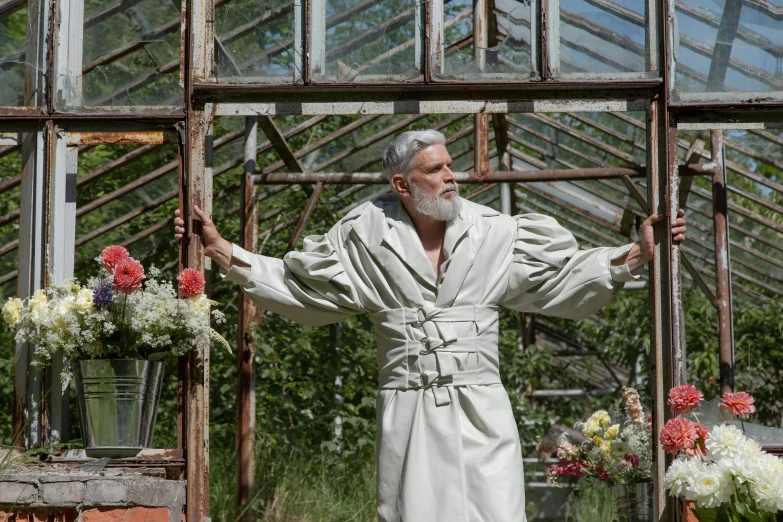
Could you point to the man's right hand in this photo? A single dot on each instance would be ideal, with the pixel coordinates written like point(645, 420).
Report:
point(215, 246)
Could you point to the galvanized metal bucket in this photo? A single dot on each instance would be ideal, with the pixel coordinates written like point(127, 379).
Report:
point(118, 403)
point(634, 502)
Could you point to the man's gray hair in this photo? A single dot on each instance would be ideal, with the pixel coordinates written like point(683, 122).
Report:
point(398, 156)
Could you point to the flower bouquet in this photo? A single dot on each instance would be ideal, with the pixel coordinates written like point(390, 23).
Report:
point(618, 454)
point(113, 317)
point(727, 475)
point(115, 334)
point(610, 452)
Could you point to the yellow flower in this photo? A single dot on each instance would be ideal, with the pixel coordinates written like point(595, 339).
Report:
point(601, 417)
point(606, 447)
point(12, 311)
point(199, 304)
point(39, 299)
point(83, 302)
point(612, 431)
point(598, 441)
point(591, 427)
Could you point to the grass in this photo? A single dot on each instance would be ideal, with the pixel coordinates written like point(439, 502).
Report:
point(294, 487)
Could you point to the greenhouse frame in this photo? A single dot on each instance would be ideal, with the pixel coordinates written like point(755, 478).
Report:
point(598, 112)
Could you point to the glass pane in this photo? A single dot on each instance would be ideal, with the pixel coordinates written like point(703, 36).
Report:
point(13, 43)
point(254, 40)
point(131, 55)
point(755, 63)
point(601, 36)
point(370, 41)
point(507, 55)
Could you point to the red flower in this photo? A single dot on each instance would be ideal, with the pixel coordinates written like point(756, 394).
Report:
point(572, 468)
point(128, 275)
point(191, 282)
point(700, 444)
point(740, 404)
point(603, 475)
point(679, 435)
point(684, 398)
point(111, 256)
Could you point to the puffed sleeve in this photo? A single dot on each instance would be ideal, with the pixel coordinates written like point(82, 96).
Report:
point(309, 287)
point(550, 275)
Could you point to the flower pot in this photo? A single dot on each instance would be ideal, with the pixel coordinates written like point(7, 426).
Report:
point(634, 502)
point(118, 403)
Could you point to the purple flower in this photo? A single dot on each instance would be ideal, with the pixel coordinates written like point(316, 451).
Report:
point(103, 295)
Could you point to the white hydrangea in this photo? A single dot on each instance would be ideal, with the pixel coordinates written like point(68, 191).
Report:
point(725, 441)
point(709, 485)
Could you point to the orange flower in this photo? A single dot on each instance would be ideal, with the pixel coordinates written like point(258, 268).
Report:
point(191, 282)
point(684, 398)
point(739, 403)
point(128, 275)
point(111, 256)
point(679, 435)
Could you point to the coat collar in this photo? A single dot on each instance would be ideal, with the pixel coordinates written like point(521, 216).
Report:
point(386, 230)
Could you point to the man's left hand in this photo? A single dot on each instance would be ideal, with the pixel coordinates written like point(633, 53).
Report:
point(641, 252)
point(647, 243)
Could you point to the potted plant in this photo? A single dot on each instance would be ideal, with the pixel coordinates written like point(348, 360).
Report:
point(722, 472)
point(619, 454)
point(115, 334)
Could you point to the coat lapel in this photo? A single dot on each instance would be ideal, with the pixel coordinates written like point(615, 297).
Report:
point(464, 238)
point(380, 234)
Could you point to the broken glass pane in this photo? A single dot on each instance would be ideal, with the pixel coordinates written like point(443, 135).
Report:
point(13, 42)
point(254, 40)
point(369, 41)
point(602, 36)
point(749, 56)
point(130, 55)
point(507, 54)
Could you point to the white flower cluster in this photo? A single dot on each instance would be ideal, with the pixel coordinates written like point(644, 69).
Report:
point(164, 323)
point(734, 466)
point(62, 319)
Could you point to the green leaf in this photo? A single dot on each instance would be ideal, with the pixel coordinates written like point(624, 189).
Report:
point(706, 514)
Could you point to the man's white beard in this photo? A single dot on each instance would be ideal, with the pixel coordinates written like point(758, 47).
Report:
point(437, 207)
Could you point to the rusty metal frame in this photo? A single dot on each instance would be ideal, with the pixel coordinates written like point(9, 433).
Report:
point(56, 133)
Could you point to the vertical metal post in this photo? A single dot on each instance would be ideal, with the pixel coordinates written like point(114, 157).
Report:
point(61, 247)
point(300, 32)
point(661, 300)
point(550, 17)
point(32, 270)
point(504, 161)
point(196, 189)
point(722, 263)
point(436, 47)
point(317, 35)
point(480, 120)
point(68, 53)
point(249, 315)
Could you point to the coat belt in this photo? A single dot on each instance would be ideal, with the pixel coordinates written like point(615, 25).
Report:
point(435, 335)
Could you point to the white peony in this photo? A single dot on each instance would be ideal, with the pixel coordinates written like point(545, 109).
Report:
point(12, 311)
point(199, 304)
point(725, 441)
point(39, 306)
point(767, 490)
point(710, 486)
point(768, 463)
point(678, 475)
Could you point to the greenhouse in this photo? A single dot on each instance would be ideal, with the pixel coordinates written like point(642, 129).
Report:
point(273, 116)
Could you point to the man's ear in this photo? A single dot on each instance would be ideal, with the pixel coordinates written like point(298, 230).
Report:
point(400, 185)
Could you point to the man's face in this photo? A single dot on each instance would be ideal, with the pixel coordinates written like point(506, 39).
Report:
point(432, 189)
point(431, 173)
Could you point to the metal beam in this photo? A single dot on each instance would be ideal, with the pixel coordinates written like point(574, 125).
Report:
point(722, 261)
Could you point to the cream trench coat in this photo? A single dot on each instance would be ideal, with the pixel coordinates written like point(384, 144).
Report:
point(447, 447)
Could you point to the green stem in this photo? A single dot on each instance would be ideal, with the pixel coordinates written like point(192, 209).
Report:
point(122, 325)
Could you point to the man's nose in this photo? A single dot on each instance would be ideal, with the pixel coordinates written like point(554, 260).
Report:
point(448, 175)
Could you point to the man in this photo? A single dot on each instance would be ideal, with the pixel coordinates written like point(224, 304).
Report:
point(431, 270)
